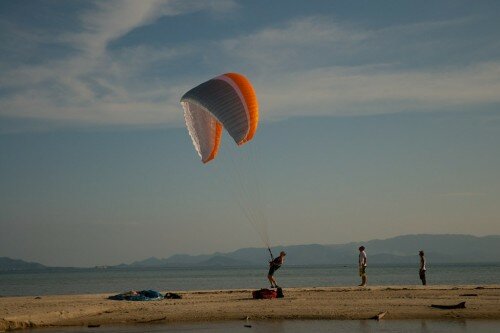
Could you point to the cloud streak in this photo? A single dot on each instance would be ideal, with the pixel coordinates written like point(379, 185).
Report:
point(95, 85)
point(365, 90)
point(308, 66)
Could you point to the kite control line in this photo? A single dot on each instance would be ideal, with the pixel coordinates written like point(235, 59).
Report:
point(272, 258)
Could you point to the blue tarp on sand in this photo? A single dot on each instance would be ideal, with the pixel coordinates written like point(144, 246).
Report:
point(143, 295)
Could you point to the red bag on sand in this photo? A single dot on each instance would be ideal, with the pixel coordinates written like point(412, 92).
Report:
point(264, 294)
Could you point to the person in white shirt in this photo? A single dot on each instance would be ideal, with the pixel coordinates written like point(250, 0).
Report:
point(422, 269)
point(362, 265)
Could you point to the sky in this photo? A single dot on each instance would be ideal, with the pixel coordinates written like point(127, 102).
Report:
point(378, 118)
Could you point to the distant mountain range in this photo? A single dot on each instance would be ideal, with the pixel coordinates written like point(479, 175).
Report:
point(401, 249)
point(397, 250)
point(8, 264)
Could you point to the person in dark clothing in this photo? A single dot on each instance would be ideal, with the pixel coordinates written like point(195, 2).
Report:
point(421, 271)
point(274, 265)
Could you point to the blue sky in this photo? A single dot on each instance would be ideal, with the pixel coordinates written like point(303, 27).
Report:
point(378, 119)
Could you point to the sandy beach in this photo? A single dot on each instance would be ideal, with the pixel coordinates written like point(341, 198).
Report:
point(399, 302)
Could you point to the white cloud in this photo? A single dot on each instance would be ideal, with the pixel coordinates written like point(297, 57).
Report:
point(364, 90)
point(310, 42)
point(97, 86)
point(299, 68)
point(318, 66)
point(110, 20)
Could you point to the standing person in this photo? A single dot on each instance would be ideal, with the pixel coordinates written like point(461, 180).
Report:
point(274, 265)
point(362, 265)
point(422, 269)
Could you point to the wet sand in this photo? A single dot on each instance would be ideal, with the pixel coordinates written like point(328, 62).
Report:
point(399, 302)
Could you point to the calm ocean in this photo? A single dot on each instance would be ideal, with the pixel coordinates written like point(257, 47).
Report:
point(82, 281)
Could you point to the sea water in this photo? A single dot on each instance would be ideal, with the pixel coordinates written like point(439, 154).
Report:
point(301, 326)
point(82, 281)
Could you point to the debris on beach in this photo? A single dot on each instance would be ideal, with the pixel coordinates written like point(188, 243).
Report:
point(172, 296)
point(152, 320)
point(279, 293)
point(247, 325)
point(379, 316)
point(460, 305)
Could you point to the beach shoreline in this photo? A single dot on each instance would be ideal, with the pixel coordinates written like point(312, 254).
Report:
point(345, 303)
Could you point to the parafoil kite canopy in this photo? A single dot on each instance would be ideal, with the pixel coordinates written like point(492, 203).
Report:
point(227, 101)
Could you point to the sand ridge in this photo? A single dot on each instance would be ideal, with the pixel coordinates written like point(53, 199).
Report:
point(399, 302)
